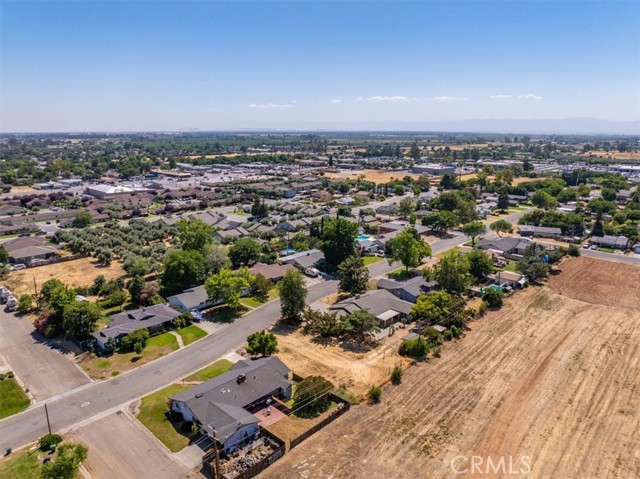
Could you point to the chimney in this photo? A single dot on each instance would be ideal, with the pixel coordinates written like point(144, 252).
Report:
point(241, 378)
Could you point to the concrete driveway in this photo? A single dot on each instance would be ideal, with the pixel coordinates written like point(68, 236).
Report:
point(44, 370)
point(120, 447)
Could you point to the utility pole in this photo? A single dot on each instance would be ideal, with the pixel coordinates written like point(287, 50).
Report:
point(35, 288)
point(215, 445)
point(46, 412)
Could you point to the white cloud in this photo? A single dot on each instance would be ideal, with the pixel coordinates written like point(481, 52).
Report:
point(448, 98)
point(268, 106)
point(335, 100)
point(499, 97)
point(530, 96)
point(293, 102)
point(386, 98)
point(359, 99)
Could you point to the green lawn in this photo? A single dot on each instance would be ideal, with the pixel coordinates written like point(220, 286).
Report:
point(605, 249)
point(511, 266)
point(190, 334)
point(103, 367)
point(12, 398)
point(153, 408)
point(254, 302)
point(371, 259)
point(22, 465)
point(211, 371)
point(152, 414)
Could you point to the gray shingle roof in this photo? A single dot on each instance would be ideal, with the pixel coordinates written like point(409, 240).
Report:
point(376, 302)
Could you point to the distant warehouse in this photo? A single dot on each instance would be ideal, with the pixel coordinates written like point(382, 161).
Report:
point(433, 169)
point(109, 191)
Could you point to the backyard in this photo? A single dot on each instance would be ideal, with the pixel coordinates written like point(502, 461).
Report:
point(12, 397)
point(153, 408)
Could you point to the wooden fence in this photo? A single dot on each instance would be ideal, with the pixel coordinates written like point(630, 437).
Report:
point(343, 407)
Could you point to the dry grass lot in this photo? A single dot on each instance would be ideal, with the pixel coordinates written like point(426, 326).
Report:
point(355, 371)
point(79, 272)
point(551, 376)
point(627, 155)
point(377, 176)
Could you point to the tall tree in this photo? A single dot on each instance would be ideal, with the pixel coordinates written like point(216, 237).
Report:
point(408, 248)
point(354, 276)
point(244, 252)
point(263, 343)
point(80, 319)
point(406, 207)
point(227, 286)
point(533, 263)
point(452, 273)
point(501, 226)
point(503, 199)
point(182, 270)
point(473, 229)
point(480, 263)
point(293, 296)
point(338, 242)
point(194, 234)
point(361, 325)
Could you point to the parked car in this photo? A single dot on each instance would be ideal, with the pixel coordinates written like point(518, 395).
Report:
point(18, 266)
point(312, 272)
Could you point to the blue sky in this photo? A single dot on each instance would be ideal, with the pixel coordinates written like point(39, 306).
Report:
point(156, 65)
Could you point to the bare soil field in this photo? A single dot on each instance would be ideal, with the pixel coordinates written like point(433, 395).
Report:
point(626, 155)
point(356, 371)
point(549, 380)
point(599, 282)
point(377, 176)
point(79, 272)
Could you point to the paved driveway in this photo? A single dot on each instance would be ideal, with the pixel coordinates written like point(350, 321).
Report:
point(44, 370)
point(119, 447)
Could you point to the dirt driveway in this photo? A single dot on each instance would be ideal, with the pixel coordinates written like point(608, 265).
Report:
point(121, 448)
point(548, 379)
point(44, 370)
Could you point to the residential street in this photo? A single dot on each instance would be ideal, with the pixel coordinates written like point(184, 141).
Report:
point(81, 406)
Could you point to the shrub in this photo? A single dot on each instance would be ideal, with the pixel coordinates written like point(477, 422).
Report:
point(2, 376)
point(415, 347)
point(9, 375)
point(447, 335)
point(375, 393)
point(493, 298)
point(396, 375)
point(135, 341)
point(437, 351)
point(456, 332)
point(573, 250)
point(312, 396)
point(49, 440)
point(482, 309)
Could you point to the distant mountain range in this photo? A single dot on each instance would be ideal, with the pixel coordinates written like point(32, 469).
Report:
point(565, 126)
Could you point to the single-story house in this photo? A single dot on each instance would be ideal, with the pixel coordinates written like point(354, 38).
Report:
point(192, 299)
point(221, 406)
point(304, 259)
point(408, 290)
point(274, 272)
point(387, 209)
point(381, 303)
point(608, 241)
point(540, 231)
point(508, 278)
point(153, 318)
point(504, 246)
point(230, 234)
point(27, 248)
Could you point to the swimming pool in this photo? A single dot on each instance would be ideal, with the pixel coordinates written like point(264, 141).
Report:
point(362, 238)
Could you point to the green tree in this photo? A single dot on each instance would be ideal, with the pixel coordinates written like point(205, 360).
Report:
point(533, 264)
point(263, 343)
point(503, 200)
point(433, 307)
point(25, 304)
point(244, 252)
point(227, 286)
point(480, 264)
point(4, 255)
point(322, 324)
point(293, 295)
point(135, 341)
point(217, 258)
point(448, 181)
point(452, 273)
point(408, 249)
point(473, 229)
point(182, 270)
point(406, 207)
point(396, 375)
point(361, 326)
point(135, 287)
point(311, 397)
point(354, 276)
point(501, 226)
point(440, 222)
point(493, 298)
point(414, 151)
point(260, 286)
point(80, 319)
point(259, 209)
point(81, 220)
point(544, 200)
point(137, 265)
point(338, 242)
point(194, 234)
